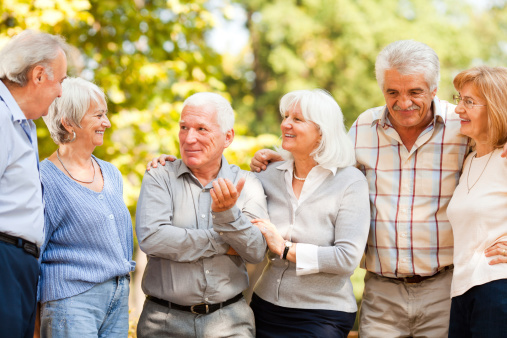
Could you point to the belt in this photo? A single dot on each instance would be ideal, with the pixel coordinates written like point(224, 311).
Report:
point(418, 279)
point(198, 309)
point(27, 246)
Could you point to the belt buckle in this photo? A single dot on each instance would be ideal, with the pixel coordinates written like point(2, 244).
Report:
point(197, 313)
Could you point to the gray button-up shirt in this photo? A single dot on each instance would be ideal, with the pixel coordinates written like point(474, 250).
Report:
point(186, 242)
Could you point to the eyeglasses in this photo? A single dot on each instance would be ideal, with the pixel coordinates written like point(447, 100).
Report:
point(468, 102)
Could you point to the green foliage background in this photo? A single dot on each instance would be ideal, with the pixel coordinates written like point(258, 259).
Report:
point(149, 55)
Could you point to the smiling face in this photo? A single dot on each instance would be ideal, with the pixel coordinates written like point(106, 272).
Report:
point(93, 125)
point(408, 99)
point(474, 121)
point(201, 140)
point(299, 136)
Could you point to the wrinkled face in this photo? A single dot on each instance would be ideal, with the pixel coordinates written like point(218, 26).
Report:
point(51, 88)
point(201, 140)
point(299, 136)
point(474, 121)
point(93, 125)
point(408, 99)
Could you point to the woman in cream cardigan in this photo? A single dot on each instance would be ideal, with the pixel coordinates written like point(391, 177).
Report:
point(319, 219)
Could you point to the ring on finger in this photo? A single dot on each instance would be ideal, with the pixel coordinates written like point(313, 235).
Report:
point(503, 252)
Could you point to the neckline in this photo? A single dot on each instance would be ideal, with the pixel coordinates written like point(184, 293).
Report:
point(76, 183)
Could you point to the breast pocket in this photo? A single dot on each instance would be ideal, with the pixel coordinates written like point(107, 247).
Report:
point(437, 175)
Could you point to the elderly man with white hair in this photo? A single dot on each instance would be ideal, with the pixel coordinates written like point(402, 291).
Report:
point(193, 222)
point(32, 68)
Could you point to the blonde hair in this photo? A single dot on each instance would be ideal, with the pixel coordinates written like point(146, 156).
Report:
point(490, 83)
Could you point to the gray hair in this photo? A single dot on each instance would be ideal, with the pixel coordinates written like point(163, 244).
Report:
point(78, 95)
point(409, 57)
point(27, 50)
point(225, 114)
point(335, 148)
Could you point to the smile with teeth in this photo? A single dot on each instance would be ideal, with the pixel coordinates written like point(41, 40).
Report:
point(465, 120)
point(100, 132)
point(290, 135)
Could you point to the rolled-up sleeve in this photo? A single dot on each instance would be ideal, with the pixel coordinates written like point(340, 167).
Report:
point(158, 236)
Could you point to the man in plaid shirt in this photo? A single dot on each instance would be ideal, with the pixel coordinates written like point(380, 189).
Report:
point(412, 154)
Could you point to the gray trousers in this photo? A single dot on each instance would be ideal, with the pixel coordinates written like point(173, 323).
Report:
point(235, 320)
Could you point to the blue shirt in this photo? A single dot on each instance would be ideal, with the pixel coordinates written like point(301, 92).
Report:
point(21, 209)
point(88, 233)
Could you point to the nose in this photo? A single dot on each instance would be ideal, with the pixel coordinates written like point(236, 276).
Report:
point(191, 136)
point(459, 108)
point(286, 123)
point(106, 123)
point(405, 101)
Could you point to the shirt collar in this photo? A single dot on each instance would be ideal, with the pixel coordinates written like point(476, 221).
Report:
point(380, 117)
point(289, 166)
point(6, 96)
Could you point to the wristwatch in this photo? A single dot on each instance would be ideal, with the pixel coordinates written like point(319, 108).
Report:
point(288, 245)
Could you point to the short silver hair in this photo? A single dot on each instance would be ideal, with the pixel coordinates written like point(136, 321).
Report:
point(27, 50)
point(225, 113)
point(335, 149)
point(409, 57)
point(78, 95)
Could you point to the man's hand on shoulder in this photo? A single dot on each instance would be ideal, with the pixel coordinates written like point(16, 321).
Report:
point(161, 159)
point(262, 158)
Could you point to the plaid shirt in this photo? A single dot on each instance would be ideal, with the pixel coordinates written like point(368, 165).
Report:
point(409, 191)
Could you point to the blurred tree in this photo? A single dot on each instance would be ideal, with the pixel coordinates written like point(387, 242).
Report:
point(332, 44)
point(147, 55)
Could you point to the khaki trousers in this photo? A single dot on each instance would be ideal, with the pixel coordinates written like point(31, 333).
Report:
point(391, 308)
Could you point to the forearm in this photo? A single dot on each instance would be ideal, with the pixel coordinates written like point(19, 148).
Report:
point(236, 229)
point(183, 245)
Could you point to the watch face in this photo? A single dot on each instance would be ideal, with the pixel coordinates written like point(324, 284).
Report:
point(288, 244)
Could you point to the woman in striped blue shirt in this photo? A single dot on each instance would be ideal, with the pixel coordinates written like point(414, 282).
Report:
point(87, 252)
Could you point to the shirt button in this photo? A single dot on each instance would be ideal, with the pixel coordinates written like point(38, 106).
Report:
point(207, 271)
point(221, 233)
point(213, 216)
point(206, 299)
point(403, 235)
point(278, 280)
point(111, 216)
point(101, 197)
point(203, 216)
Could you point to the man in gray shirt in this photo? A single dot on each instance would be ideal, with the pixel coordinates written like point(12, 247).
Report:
point(193, 222)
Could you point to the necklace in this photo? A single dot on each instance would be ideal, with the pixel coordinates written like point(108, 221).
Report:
point(68, 172)
point(470, 167)
point(298, 178)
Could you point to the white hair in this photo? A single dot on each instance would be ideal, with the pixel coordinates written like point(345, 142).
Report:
point(225, 114)
point(78, 95)
point(409, 57)
point(335, 148)
point(27, 50)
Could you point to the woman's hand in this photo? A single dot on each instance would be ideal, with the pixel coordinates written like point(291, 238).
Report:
point(224, 194)
point(262, 158)
point(499, 249)
point(275, 241)
point(161, 159)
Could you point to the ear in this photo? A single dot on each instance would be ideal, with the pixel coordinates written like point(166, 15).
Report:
point(229, 137)
point(67, 126)
point(37, 74)
point(434, 93)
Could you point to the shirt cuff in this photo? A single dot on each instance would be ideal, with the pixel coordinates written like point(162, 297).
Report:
point(307, 259)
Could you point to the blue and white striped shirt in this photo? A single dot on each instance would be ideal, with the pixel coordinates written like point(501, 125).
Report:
point(88, 234)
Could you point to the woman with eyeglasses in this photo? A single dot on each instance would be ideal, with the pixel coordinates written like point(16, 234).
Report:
point(87, 252)
point(478, 208)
